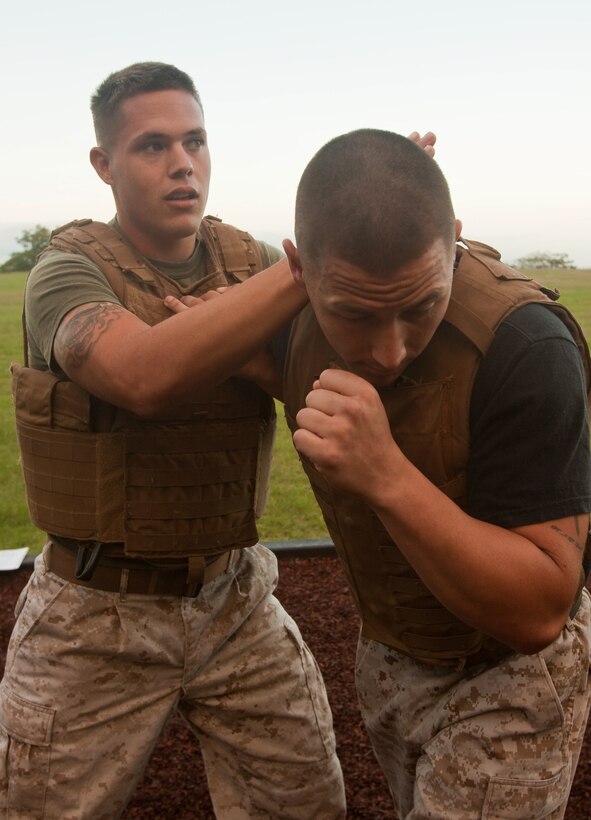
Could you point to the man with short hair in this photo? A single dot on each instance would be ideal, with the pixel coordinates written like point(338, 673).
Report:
point(438, 400)
point(147, 465)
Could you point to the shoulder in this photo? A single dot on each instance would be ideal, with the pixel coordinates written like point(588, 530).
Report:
point(535, 342)
point(62, 270)
point(60, 282)
point(270, 254)
point(532, 377)
point(533, 323)
point(529, 436)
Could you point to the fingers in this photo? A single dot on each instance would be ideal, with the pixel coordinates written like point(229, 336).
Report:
point(342, 381)
point(426, 142)
point(175, 305)
point(186, 302)
point(335, 403)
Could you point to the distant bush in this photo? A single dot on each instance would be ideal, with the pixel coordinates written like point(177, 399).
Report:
point(545, 260)
point(33, 242)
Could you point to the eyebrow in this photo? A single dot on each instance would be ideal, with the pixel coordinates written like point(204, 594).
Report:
point(160, 135)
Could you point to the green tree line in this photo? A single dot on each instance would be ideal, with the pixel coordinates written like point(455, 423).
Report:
point(32, 242)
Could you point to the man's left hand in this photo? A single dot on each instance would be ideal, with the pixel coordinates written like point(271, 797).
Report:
point(426, 142)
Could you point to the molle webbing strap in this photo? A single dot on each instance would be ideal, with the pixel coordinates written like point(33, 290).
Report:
point(470, 324)
point(475, 328)
point(237, 252)
point(71, 475)
point(477, 317)
point(102, 244)
point(107, 249)
point(169, 488)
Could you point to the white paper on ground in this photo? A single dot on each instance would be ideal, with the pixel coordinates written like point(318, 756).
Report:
point(12, 559)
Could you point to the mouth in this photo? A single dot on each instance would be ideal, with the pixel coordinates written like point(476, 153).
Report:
point(181, 195)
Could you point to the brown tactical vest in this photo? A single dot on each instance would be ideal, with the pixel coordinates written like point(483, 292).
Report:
point(428, 411)
point(192, 483)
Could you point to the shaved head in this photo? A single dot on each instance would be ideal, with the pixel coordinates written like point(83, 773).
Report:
point(372, 198)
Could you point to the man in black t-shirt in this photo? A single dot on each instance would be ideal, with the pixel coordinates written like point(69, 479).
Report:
point(438, 401)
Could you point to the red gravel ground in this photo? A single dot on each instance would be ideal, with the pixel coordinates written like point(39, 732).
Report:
point(313, 591)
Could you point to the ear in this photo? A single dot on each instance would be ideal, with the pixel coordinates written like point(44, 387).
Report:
point(458, 229)
point(295, 264)
point(99, 159)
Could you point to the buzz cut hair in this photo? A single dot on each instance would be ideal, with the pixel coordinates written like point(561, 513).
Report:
point(374, 199)
point(139, 78)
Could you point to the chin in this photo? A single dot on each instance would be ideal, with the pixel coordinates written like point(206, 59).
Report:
point(186, 228)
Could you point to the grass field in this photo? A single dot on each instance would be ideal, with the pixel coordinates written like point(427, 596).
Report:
point(291, 511)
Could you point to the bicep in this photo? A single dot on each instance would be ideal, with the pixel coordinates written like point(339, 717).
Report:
point(89, 347)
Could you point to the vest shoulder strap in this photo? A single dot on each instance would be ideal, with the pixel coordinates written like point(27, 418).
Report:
point(236, 251)
point(107, 249)
point(478, 319)
point(479, 271)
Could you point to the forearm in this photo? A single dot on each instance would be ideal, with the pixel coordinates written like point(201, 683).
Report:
point(149, 369)
point(199, 348)
point(495, 579)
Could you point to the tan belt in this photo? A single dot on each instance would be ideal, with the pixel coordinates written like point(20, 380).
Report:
point(139, 577)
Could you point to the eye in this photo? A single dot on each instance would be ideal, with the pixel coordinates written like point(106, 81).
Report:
point(355, 318)
point(422, 311)
point(195, 143)
point(152, 147)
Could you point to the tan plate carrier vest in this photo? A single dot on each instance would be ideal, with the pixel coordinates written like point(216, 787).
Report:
point(190, 484)
point(428, 411)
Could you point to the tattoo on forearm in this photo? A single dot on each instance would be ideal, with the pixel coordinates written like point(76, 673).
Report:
point(577, 542)
point(77, 337)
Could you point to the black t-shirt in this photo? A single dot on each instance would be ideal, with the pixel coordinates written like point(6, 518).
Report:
point(529, 447)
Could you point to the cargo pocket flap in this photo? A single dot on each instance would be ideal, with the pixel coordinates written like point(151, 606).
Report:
point(25, 721)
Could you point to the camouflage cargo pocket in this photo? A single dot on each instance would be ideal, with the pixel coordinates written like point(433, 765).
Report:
point(25, 735)
point(508, 799)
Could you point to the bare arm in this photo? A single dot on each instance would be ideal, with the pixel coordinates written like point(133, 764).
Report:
point(516, 585)
point(261, 369)
point(114, 355)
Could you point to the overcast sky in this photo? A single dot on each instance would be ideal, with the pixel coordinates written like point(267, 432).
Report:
point(505, 85)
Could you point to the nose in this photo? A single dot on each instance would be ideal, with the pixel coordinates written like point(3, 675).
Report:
point(388, 348)
point(181, 163)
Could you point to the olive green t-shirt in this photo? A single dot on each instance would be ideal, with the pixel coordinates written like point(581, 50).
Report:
point(62, 281)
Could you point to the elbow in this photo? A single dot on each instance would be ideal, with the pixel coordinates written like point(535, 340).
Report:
point(537, 637)
point(149, 404)
point(147, 398)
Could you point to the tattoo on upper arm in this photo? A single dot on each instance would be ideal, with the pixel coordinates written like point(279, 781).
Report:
point(77, 336)
point(579, 540)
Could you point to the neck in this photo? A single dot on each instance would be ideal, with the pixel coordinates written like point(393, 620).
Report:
point(175, 249)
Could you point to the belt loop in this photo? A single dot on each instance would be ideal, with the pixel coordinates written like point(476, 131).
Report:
point(195, 575)
point(124, 581)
